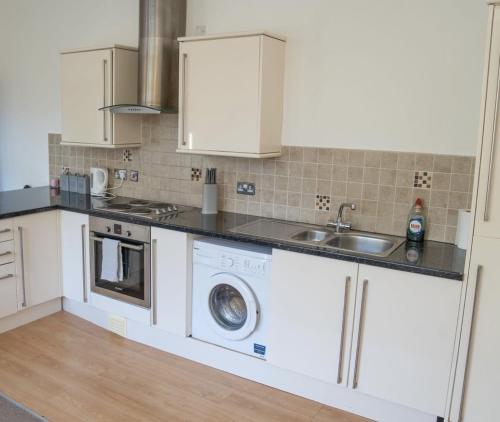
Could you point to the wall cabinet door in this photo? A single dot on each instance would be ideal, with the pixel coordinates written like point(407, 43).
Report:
point(483, 373)
point(86, 85)
point(404, 334)
point(488, 193)
point(231, 96)
point(310, 315)
point(171, 280)
point(37, 259)
point(75, 255)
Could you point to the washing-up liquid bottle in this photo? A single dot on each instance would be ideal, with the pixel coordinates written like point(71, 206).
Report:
point(416, 222)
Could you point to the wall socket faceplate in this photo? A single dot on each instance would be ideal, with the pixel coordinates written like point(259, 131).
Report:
point(120, 174)
point(245, 188)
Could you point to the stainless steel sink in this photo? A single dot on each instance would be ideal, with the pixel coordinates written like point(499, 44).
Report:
point(308, 234)
point(311, 236)
point(367, 244)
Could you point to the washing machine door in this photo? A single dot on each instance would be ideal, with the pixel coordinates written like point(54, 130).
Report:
point(232, 307)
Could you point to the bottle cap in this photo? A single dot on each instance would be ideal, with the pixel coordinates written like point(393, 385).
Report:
point(418, 203)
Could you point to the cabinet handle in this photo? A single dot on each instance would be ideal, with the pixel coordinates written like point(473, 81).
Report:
point(5, 277)
point(471, 332)
point(104, 118)
point(183, 96)
point(21, 256)
point(154, 271)
point(360, 333)
point(342, 333)
point(486, 216)
point(6, 253)
point(4, 231)
point(84, 268)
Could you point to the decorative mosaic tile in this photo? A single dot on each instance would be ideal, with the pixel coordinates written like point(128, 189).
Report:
point(423, 179)
point(322, 202)
point(195, 174)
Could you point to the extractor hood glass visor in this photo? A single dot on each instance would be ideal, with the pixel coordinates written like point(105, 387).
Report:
point(137, 109)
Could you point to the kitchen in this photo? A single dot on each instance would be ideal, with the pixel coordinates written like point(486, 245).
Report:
point(217, 203)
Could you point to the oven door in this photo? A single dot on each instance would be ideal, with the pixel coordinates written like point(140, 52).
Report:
point(136, 285)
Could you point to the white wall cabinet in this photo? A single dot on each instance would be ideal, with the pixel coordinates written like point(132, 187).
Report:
point(37, 258)
point(75, 269)
point(231, 95)
point(170, 273)
point(310, 321)
point(405, 329)
point(94, 78)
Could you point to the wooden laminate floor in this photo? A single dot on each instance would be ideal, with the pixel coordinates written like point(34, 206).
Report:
point(67, 369)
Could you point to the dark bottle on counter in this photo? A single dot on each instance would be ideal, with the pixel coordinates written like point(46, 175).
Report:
point(416, 222)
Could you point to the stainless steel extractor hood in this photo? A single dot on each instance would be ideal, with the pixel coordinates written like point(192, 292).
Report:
point(161, 22)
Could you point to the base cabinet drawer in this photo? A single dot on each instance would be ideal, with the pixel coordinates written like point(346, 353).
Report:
point(8, 290)
point(6, 232)
point(6, 252)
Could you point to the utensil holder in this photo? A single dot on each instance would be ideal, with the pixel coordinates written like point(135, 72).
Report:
point(209, 199)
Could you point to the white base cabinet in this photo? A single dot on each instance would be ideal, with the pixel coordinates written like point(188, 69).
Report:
point(75, 267)
point(405, 329)
point(310, 323)
point(37, 251)
point(386, 333)
point(171, 280)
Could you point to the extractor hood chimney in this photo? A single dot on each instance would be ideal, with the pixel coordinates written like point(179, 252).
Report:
point(161, 22)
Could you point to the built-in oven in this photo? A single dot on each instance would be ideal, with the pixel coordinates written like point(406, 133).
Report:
point(133, 244)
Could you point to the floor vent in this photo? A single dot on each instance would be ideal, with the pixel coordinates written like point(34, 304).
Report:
point(117, 325)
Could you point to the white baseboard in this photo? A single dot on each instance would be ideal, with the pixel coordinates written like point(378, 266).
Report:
point(255, 369)
point(29, 315)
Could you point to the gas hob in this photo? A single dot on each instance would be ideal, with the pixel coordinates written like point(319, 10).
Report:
point(142, 208)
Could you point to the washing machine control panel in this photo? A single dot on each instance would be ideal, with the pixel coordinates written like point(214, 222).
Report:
point(242, 264)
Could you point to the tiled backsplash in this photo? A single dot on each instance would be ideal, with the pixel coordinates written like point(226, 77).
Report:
point(304, 184)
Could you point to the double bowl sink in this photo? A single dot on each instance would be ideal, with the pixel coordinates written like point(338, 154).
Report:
point(353, 241)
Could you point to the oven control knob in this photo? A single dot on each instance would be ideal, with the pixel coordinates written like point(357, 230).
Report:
point(108, 229)
point(129, 233)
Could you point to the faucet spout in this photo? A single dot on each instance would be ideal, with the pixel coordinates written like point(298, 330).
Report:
point(338, 224)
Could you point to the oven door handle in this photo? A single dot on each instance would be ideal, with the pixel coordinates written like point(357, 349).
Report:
point(123, 245)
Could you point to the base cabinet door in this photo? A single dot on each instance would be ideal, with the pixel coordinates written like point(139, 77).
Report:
point(404, 334)
point(75, 255)
point(310, 315)
point(37, 259)
point(480, 400)
point(170, 280)
point(8, 290)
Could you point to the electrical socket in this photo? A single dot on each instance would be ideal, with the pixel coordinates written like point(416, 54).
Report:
point(245, 188)
point(121, 174)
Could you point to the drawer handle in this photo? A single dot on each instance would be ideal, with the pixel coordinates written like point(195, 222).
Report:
point(5, 231)
point(5, 253)
point(5, 277)
point(23, 280)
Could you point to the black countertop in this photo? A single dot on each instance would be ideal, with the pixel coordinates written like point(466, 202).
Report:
point(430, 258)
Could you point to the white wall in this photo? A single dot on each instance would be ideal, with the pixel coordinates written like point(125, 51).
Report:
point(388, 74)
point(32, 33)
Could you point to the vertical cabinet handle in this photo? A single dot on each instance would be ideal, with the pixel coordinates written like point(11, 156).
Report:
point(84, 266)
point(486, 216)
point(360, 334)
point(104, 116)
point(21, 256)
point(342, 333)
point(154, 284)
point(183, 96)
point(471, 333)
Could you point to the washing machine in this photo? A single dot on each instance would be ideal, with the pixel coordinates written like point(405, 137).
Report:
point(230, 295)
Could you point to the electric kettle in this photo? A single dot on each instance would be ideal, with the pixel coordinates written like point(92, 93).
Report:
point(98, 181)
